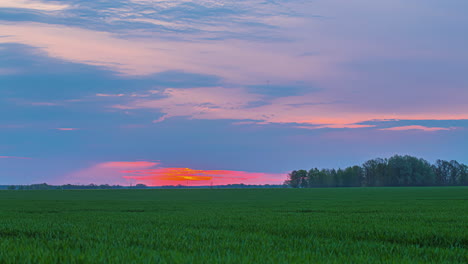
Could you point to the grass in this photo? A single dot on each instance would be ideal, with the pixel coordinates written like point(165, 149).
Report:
point(346, 225)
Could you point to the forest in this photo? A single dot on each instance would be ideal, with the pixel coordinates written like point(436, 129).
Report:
point(395, 171)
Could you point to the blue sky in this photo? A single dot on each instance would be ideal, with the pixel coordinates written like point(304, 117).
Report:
point(244, 91)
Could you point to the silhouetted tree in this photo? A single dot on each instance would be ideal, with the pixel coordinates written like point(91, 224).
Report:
point(395, 171)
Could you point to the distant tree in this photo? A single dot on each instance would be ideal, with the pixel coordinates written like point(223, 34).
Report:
point(408, 171)
point(313, 177)
point(298, 179)
point(456, 173)
point(293, 179)
point(463, 175)
point(11, 187)
point(302, 177)
point(323, 177)
point(442, 172)
point(353, 176)
point(375, 172)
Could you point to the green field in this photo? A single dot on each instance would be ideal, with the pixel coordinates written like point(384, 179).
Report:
point(347, 225)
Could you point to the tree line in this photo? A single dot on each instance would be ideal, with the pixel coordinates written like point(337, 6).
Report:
point(45, 186)
point(395, 171)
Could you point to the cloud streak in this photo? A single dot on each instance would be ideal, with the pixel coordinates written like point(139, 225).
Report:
point(236, 61)
point(214, 103)
point(417, 127)
point(67, 129)
point(33, 4)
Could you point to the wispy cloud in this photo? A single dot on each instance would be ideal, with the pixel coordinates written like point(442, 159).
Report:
point(109, 95)
point(237, 61)
point(239, 104)
point(44, 104)
point(67, 129)
point(417, 127)
point(336, 126)
point(34, 4)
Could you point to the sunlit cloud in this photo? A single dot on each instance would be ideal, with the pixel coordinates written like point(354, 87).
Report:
point(417, 127)
point(239, 104)
point(236, 61)
point(33, 4)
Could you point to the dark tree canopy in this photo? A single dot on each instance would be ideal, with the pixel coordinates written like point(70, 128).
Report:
point(395, 171)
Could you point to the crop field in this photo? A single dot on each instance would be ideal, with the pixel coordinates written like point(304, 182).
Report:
point(336, 225)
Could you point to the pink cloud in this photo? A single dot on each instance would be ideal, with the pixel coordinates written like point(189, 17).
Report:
point(32, 4)
point(239, 60)
point(336, 126)
point(236, 104)
point(247, 62)
point(174, 176)
point(105, 173)
point(416, 127)
point(128, 164)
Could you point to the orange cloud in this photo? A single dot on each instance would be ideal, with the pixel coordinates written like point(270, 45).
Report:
point(416, 127)
point(173, 176)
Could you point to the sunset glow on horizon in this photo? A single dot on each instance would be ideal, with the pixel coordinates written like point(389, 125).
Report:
point(170, 176)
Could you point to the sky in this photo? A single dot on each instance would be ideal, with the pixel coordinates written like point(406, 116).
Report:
point(217, 92)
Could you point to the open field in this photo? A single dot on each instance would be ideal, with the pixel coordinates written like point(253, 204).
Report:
point(391, 225)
